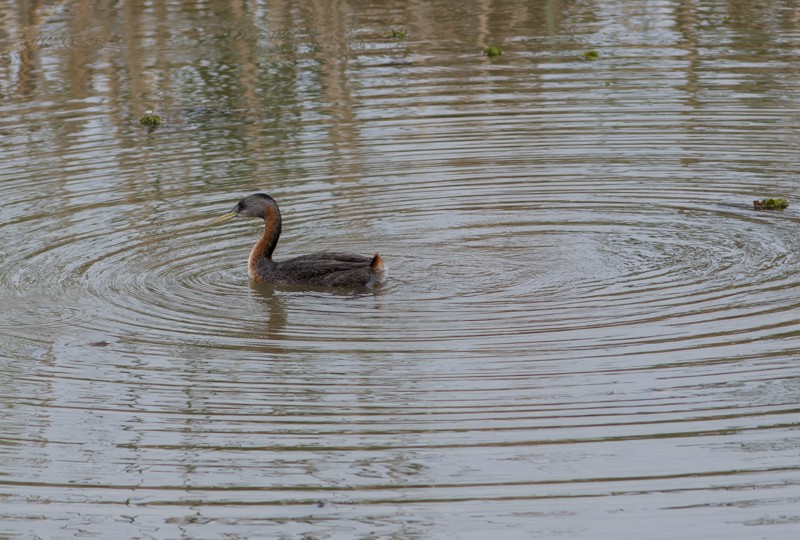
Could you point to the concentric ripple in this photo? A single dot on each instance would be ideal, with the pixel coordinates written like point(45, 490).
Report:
point(588, 331)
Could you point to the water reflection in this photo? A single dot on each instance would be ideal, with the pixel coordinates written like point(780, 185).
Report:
point(588, 330)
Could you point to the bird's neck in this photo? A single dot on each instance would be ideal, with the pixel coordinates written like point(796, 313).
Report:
point(262, 251)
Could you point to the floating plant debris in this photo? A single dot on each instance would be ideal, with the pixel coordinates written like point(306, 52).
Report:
point(493, 50)
point(591, 55)
point(771, 204)
point(150, 118)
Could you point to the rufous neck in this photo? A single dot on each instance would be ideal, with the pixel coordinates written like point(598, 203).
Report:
point(266, 245)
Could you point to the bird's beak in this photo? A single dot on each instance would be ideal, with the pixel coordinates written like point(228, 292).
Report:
point(223, 218)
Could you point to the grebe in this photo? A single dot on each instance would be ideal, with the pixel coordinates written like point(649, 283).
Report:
point(327, 268)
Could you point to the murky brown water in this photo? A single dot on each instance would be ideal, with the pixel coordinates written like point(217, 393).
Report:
point(588, 332)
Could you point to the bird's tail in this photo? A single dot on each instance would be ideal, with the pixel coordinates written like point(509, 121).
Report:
point(377, 263)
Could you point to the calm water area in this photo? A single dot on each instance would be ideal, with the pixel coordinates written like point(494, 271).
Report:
point(587, 333)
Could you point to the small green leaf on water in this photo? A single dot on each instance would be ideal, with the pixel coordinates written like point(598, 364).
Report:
point(398, 33)
point(608, 83)
point(771, 204)
point(727, 19)
point(150, 119)
point(591, 55)
point(492, 50)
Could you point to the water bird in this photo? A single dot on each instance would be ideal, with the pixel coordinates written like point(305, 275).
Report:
point(330, 269)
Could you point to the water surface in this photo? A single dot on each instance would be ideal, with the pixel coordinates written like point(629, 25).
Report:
point(588, 332)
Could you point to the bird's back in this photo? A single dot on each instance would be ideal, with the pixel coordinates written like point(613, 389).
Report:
point(327, 268)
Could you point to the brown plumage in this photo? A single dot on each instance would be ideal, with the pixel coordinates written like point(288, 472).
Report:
point(332, 269)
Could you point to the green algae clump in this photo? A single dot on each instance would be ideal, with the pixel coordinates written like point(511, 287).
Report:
point(492, 51)
point(771, 204)
point(150, 119)
point(591, 55)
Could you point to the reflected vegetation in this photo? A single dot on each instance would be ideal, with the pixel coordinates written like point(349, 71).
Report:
point(588, 331)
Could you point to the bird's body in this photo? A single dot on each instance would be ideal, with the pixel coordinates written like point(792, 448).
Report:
point(331, 269)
